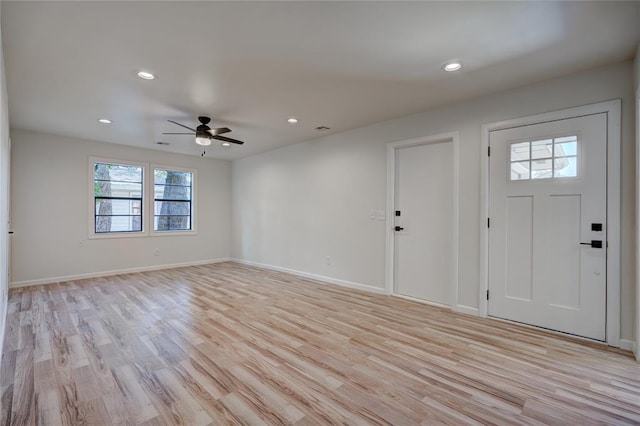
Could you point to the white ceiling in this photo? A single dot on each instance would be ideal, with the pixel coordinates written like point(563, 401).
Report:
point(252, 65)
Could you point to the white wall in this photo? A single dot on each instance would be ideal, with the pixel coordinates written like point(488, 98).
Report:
point(4, 194)
point(295, 206)
point(50, 211)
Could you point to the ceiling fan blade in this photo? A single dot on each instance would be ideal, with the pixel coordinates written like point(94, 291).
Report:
point(219, 130)
point(181, 125)
point(192, 134)
point(222, 138)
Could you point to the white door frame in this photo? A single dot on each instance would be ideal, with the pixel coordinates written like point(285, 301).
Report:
point(613, 110)
point(636, 344)
point(392, 147)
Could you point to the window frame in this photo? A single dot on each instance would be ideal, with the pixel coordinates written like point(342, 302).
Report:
point(151, 203)
point(144, 232)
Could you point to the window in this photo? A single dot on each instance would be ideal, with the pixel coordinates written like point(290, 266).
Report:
point(549, 158)
point(172, 200)
point(129, 199)
point(117, 196)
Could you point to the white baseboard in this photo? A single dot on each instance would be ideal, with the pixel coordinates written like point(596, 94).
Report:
point(463, 309)
point(423, 301)
point(321, 278)
point(53, 280)
point(628, 345)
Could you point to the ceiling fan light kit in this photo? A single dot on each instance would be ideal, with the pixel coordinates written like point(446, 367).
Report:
point(203, 140)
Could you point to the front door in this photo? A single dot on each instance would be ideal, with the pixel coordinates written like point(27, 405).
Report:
point(548, 235)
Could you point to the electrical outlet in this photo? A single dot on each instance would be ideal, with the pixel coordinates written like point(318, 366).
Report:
point(156, 252)
point(372, 214)
point(81, 243)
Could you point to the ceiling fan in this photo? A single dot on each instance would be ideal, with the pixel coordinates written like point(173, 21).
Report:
point(204, 134)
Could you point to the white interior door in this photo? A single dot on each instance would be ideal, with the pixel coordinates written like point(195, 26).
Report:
point(547, 204)
point(424, 239)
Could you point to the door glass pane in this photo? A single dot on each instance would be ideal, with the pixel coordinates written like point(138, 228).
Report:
point(541, 169)
point(566, 167)
point(566, 148)
point(520, 151)
point(541, 149)
point(571, 138)
point(520, 170)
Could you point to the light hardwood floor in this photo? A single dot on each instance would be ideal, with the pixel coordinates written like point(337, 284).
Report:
point(231, 344)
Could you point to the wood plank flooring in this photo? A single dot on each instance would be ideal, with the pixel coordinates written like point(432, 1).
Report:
point(230, 344)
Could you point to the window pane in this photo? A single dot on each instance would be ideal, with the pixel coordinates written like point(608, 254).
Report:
point(172, 223)
point(118, 224)
point(118, 172)
point(541, 149)
point(171, 177)
point(567, 148)
point(541, 169)
point(169, 208)
point(170, 192)
point(566, 167)
point(117, 207)
point(519, 151)
point(520, 170)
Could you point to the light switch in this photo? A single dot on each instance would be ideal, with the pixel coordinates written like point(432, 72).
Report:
point(372, 214)
point(380, 215)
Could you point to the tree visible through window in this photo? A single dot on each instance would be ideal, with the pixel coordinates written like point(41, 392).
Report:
point(172, 200)
point(117, 192)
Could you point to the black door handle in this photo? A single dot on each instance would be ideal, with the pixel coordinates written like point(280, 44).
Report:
point(594, 244)
point(399, 228)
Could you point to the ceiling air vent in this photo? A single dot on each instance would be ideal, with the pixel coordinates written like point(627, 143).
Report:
point(322, 128)
point(163, 143)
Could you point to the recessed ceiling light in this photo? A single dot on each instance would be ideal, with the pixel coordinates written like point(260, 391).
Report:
point(104, 121)
point(452, 66)
point(146, 75)
point(292, 120)
point(226, 144)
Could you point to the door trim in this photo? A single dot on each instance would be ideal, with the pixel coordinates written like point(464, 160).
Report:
point(613, 110)
point(392, 147)
point(636, 344)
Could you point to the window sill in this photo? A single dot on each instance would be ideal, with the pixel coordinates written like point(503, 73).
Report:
point(172, 233)
point(109, 235)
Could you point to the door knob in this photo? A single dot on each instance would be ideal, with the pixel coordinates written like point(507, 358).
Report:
point(399, 228)
point(593, 243)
